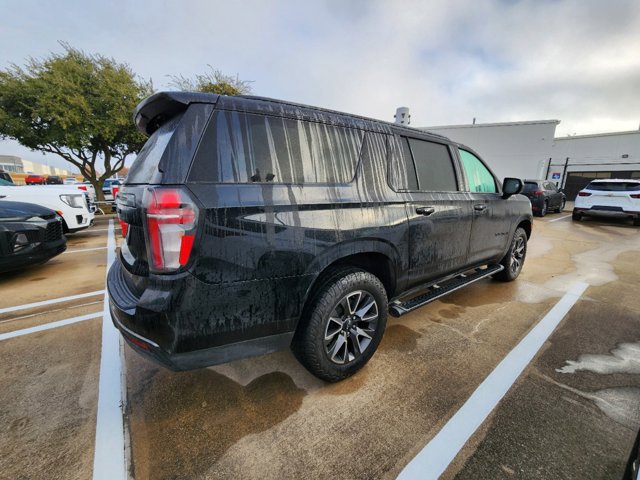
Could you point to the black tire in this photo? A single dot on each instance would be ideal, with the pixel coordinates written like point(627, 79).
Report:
point(543, 210)
point(576, 216)
point(515, 257)
point(330, 331)
point(636, 222)
point(562, 204)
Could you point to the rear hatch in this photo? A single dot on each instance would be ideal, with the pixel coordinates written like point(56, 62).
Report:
point(613, 196)
point(175, 123)
point(531, 190)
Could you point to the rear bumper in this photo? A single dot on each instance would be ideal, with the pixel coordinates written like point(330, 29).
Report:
point(603, 211)
point(182, 323)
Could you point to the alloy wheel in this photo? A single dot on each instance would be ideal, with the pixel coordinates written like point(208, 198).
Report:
point(351, 327)
point(517, 255)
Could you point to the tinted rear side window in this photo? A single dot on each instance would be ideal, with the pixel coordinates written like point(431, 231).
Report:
point(248, 148)
point(614, 186)
point(530, 187)
point(433, 166)
point(146, 163)
point(402, 173)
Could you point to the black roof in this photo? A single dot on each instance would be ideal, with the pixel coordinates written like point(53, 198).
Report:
point(156, 109)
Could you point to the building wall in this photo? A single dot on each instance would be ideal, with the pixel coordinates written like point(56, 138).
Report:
point(14, 164)
point(579, 159)
point(601, 152)
point(11, 163)
point(519, 149)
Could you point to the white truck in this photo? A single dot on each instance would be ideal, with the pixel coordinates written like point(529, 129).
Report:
point(71, 204)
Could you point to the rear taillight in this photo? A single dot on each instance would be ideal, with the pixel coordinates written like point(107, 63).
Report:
point(114, 191)
point(171, 218)
point(83, 187)
point(538, 192)
point(635, 195)
point(124, 227)
point(584, 194)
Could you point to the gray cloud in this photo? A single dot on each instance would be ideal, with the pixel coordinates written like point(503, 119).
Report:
point(449, 61)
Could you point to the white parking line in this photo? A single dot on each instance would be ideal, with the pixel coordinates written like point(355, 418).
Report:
point(558, 219)
point(48, 326)
point(48, 312)
point(50, 302)
point(436, 456)
point(84, 250)
point(109, 455)
point(90, 230)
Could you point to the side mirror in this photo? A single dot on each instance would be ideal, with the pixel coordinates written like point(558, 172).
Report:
point(511, 186)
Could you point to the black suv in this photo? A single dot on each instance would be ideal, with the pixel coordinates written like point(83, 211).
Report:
point(255, 224)
point(54, 180)
point(544, 196)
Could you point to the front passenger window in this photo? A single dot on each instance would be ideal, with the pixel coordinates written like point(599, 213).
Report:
point(479, 177)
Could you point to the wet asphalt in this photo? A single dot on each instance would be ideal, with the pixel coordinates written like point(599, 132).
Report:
point(573, 413)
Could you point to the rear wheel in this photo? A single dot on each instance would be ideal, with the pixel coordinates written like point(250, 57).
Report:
point(342, 326)
point(577, 216)
point(636, 221)
point(514, 259)
point(543, 209)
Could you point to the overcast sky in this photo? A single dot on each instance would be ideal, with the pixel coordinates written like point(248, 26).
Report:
point(449, 61)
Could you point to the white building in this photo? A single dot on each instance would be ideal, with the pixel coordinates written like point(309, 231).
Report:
point(14, 164)
point(512, 149)
point(576, 160)
point(529, 150)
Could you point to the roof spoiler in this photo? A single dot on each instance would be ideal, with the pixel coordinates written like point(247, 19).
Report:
point(155, 110)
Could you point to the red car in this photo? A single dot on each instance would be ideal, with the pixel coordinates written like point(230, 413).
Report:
point(34, 180)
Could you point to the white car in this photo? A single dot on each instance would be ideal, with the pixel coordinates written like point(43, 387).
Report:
point(70, 181)
point(90, 189)
point(611, 197)
point(70, 203)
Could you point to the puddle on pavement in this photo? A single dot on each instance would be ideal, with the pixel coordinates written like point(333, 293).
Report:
point(399, 338)
point(184, 422)
point(625, 358)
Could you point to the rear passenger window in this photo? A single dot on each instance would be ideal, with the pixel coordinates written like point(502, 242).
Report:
point(479, 177)
point(247, 148)
point(433, 166)
point(402, 173)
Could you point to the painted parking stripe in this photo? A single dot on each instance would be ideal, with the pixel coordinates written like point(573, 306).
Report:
point(109, 455)
point(558, 219)
point(49, 302)
point(436, 456)
point(49, 326)
point(84, 250)
point(91, 230)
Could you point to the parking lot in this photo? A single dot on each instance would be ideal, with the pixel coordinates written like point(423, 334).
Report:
point(572, 413)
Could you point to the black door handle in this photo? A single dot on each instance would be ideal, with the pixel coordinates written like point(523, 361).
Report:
point(480, 207)
point(426, 211)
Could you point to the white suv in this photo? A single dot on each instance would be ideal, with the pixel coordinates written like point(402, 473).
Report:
point(611, 197)
point(71, 204)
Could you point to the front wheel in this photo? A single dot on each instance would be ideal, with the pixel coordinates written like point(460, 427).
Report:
point(514, 259)
point(342, 326)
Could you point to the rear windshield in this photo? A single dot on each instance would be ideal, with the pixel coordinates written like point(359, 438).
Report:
point(146, 163)
point(530, 187)
point(614, 186)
